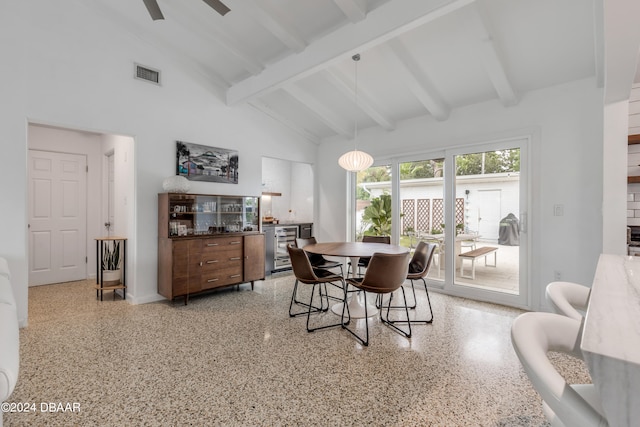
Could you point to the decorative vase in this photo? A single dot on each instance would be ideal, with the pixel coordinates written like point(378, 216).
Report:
point(111, 277)
point(176, 184)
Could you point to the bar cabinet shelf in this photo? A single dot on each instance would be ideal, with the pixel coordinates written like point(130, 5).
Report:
point(207, 241)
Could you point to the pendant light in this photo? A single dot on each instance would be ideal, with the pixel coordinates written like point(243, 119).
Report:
point(355, 161)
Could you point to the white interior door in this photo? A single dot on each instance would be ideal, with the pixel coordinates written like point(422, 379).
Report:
point(57, 217)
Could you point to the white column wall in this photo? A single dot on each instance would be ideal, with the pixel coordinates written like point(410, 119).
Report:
point(614, 159)
point(565, 126)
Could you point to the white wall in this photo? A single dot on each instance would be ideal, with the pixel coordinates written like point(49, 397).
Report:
point(71, 68)
point(294, 180)
point(565, 127)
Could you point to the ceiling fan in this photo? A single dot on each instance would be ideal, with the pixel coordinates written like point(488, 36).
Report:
point(154, 9)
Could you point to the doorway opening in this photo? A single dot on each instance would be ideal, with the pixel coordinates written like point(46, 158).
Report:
point(58, 252)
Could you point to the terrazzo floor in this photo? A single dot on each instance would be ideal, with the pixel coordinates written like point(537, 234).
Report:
point(235, 358)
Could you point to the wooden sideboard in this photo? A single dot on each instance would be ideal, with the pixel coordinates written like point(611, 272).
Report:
point(214, 256)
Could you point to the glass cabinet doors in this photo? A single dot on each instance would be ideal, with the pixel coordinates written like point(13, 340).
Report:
point(200, 214)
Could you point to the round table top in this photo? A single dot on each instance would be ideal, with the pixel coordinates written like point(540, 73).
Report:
point(353, 249)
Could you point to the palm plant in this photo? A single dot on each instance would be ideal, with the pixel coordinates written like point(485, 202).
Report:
point(111, 256)
point(377, 216)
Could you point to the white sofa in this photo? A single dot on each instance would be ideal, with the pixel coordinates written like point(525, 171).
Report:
point(9, 336)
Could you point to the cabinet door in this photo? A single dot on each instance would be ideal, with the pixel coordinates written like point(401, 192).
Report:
point(186, 267)
point(254, 257)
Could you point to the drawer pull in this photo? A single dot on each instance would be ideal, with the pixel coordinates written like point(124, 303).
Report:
point(234, 276)
point(234, 243)
point(212, 261)
point(235, 258)
point(212, 244)
point(212, 280)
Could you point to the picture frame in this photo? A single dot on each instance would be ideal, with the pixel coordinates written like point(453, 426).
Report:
point(204, 163)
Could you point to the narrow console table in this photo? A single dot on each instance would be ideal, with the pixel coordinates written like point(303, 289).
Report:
point(100, 247)
point(611, 337)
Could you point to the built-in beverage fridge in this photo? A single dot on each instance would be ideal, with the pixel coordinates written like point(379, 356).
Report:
point(284, 235)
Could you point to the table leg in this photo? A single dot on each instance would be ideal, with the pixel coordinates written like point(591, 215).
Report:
point(356, 303)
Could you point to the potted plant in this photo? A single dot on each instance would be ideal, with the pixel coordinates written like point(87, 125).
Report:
point(111, 263)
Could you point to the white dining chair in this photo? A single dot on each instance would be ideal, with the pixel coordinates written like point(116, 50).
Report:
point(533, 335)
point(568, 298)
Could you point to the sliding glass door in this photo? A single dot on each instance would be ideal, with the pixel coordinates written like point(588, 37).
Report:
point(488, 241)
point(373, 202)
point(421, 204)
point(470, 202)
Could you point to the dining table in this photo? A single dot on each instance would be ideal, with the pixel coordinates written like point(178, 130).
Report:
point(354, 251)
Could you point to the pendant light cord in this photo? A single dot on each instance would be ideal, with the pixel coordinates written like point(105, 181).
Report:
point(356, 58)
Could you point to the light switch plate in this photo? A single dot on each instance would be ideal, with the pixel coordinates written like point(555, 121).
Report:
point(558, 210)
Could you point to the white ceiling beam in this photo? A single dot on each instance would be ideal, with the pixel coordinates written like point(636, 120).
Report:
point(365, 101)
point(408, 71)
point(193, 22)
point(325, 114)
point(354, 10)
point(383, 23)
point(271, 20)
point(266, 109)
point(497, 74)
point(491, 58)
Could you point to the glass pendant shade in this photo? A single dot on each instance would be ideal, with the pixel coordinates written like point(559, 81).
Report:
point(355, 161)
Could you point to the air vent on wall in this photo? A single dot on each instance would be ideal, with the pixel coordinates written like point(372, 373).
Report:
point(147, 74)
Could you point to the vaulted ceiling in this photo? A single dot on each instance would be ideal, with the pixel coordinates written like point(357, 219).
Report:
point(291, 59)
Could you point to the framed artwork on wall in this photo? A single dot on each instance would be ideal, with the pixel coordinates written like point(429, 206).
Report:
point(203, 163)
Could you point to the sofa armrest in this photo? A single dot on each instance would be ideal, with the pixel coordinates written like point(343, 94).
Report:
point(9, 339)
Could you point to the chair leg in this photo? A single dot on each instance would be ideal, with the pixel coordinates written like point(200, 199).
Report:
point(364, 342)
point(430, 320)
point(391, 323)
point(310, 305)
point(294, 300)
point(429, 301)
point(412, 307)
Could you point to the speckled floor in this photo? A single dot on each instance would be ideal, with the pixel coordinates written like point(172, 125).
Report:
point(236, 358)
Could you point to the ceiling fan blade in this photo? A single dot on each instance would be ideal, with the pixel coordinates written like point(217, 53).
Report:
point(154, 9)
point(218, 6)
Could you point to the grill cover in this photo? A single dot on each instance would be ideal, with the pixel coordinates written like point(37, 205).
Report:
point(509, 233)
